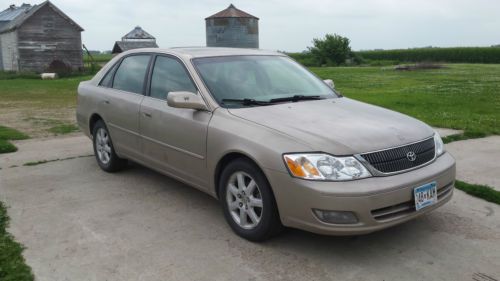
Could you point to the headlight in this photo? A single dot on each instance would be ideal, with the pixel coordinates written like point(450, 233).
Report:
point(325, 167)
point(438, 144)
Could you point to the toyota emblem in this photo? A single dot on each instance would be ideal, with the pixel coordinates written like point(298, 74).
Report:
point(411, 156)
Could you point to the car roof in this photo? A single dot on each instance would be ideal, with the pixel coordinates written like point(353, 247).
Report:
point(200, 52)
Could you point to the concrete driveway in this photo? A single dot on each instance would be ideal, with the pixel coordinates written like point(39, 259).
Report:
point(79, 223)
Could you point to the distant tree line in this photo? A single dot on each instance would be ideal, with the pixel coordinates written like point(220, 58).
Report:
point(335, 50)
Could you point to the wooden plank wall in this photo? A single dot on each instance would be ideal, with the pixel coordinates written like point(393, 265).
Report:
point(45, 37)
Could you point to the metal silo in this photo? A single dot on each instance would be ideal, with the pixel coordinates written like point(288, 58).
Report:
point(232, 28)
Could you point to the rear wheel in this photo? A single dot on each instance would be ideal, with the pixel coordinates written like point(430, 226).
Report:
point(103, 149)
point(248, 202)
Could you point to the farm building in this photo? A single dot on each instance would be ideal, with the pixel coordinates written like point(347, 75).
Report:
point(232, 28)
point(39, 38)
point(135, 39)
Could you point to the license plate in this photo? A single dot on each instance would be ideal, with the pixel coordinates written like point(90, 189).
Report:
point(425, 195)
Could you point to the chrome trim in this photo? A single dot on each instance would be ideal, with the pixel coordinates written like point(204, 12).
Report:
point(377, 173)
point(410, 143)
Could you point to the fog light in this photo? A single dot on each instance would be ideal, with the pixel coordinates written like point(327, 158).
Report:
point(336, 217)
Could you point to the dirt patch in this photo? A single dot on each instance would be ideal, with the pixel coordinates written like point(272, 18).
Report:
point(36, 122)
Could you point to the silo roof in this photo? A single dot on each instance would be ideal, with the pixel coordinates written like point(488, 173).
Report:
point(231, 12)
point(138, 33)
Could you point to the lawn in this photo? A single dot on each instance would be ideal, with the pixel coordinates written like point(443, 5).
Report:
point(37, 107)
point(46, 94)
point(12, 264)
point(460, 96)
point(7, 134)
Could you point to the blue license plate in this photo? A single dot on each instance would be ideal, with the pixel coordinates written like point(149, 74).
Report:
point(425, 195)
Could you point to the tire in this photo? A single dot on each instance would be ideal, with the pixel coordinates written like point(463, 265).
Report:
point(256, 223)
point(104, 151)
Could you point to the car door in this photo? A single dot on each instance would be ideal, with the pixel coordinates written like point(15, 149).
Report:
point(173, 139)
point(120, 106)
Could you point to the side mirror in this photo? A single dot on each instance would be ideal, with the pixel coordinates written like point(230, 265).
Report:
point(330, 83)
point(186, 100)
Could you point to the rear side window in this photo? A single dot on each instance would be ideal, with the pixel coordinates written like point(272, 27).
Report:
point(169, 75)
point(108, 78)
point(131, 74)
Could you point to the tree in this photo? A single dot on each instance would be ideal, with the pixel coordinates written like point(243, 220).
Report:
point(332, 50)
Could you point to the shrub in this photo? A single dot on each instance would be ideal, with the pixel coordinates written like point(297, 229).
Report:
point(333, 50)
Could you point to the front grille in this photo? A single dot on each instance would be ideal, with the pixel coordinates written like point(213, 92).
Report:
point(396, 159)
point(406, 208)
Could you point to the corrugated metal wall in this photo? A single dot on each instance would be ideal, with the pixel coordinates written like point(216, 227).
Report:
point(233, 32)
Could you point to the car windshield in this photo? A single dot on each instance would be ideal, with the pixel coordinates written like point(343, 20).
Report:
point(237, 81)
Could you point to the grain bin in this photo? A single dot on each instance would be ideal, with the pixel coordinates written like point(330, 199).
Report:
point(232, 28)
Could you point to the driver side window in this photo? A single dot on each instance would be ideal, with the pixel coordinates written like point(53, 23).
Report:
point(169, 75)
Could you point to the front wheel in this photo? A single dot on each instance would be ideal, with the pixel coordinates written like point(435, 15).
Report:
point(248, 202)
point(103, 149)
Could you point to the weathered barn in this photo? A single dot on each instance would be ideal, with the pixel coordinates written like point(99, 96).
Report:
point(232, 28)
point(135, 39)
point(39, 38)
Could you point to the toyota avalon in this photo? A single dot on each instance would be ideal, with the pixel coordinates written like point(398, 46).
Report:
point(276, 145)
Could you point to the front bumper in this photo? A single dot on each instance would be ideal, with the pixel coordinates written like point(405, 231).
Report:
point(378, 202)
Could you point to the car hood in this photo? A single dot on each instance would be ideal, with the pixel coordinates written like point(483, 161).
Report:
point(339, 126)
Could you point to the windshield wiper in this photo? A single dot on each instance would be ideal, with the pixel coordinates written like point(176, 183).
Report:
point(248, 101)
point(296, 98)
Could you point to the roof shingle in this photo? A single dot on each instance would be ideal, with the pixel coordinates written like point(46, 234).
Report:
point(13, 17)
point(122, 46)
point(138, 33)
point(231, 12)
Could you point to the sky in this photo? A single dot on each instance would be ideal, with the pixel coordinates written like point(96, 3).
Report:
point(290, 25)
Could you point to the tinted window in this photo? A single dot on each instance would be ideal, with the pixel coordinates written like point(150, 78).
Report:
point(131, 73)
point(169, 75)
point(106, 81)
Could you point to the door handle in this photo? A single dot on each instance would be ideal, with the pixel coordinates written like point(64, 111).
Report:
point(147, 114)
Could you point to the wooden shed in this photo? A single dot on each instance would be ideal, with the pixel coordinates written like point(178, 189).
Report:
point(135, 39)
point(39, 38)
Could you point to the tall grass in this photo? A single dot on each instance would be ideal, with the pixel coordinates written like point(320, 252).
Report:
point(451, 55)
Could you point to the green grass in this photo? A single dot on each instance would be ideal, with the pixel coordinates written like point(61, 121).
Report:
point(101, 58)
point(12, 264)
point(7, 147)
point(482, 191)
point(8, 75)
point(465, 136)
point(39, 162)
point(64, 129)
point(460, 96)
point(7, 134)
point(35, 163)
point(42, 94)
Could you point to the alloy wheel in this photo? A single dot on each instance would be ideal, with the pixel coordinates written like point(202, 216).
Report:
point(103, 146)
point(244, 200)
